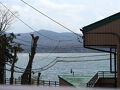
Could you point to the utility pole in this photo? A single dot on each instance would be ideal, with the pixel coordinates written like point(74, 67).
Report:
point(26, 77)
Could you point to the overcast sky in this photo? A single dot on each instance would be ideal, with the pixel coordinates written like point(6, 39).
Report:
point(73, 14)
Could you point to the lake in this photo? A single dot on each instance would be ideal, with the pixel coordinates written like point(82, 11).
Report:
point(93, 64)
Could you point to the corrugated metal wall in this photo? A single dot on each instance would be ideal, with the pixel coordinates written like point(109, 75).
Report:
point(103, 39)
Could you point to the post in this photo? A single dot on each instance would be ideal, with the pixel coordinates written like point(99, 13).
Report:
point(43, 82)
point(115, 68)
point(73, 73)
point(55, 83)
point(110, 60)
point(118, 65)
point(49, 83)
point(5, 80)
point(38, 78)
point(15, 81)
point(103, 74)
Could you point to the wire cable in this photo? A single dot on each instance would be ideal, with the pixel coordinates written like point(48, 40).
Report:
point(49, 18)
point(9, 69)
point(14, 70)
point(42, 68)
point(49, 54)
point(82, 60)
point(52, 63)
point(29, 42)
point(84, 56)
point(26, 23)
point(56, 61)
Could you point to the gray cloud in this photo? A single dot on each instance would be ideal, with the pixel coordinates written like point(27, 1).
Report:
point(72, 15)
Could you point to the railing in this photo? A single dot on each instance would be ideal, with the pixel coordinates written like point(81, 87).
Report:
point(33, 82)
point(100, 74)
point(93, 80)
point(106, 74)
point(15, 81)
point(50, 83)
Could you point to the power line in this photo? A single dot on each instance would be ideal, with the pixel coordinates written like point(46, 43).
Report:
point(15, 67)
point(82, 60)
point(74, 60)
point(26, 23)
point(42, 68)
point(52, 63)
point(10, 70)
point(37, 31)
point(51, 52)
point(58, 40)
point(33, 70)
point(23, 44)
point(55, 61)
point(69, 47)
point(9, 65)
point(28, 42)
point(50, 18)
point(45, 47)
point(48, 46)
point(40, 46)
point(23, 40)
point(47, 66)
point(84, 56)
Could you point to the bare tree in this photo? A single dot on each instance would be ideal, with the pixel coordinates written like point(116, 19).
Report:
point(6, 18)
point(16, 48)
point(26, 76)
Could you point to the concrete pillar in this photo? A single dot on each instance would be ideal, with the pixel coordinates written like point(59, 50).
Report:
point(118, 65)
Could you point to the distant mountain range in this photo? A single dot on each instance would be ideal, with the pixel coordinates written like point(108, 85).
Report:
point(53, 42)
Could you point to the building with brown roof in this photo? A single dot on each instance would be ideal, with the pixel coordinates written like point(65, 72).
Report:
point(104, 36)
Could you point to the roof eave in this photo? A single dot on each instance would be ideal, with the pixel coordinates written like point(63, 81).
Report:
point(101, 22)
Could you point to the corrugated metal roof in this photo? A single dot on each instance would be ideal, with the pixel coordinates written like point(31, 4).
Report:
point(101, 22)
point(76, 80)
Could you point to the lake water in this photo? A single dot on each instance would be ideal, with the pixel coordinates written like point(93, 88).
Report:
point(87, 68)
